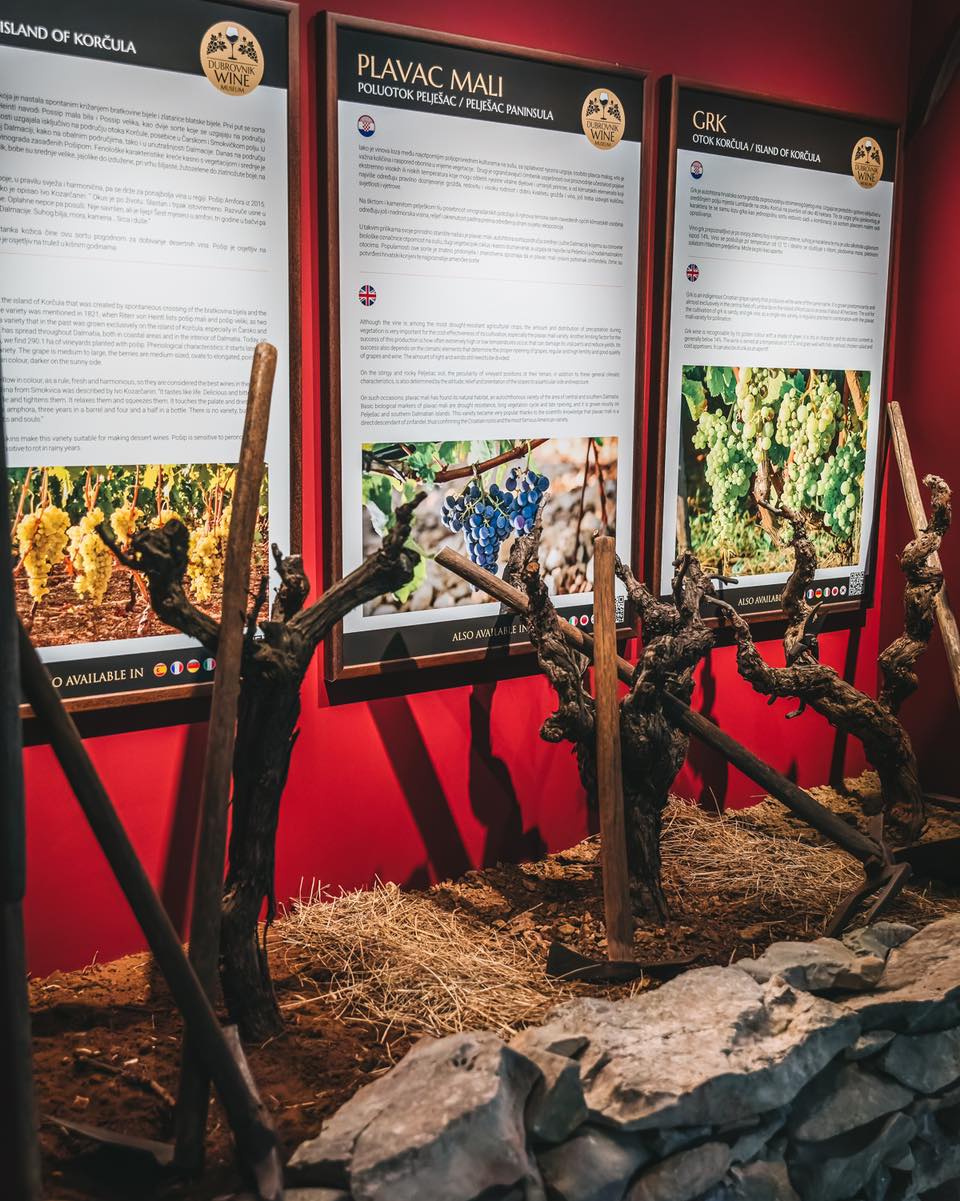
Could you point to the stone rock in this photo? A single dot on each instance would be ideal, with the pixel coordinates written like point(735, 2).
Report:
point(594, 1165)
point(817, 966)
point(836, 1170)
point(666, 1142)
point(683, 1176)
point(315, 1194)
point(934, 1164)
point(869, 1044)
point(878, 939)
point(920, 987)
point(926, 1063)
point(709, 1047)
point(765, 1180)
point(556, 1106)
point(843, 1098)
point(447, 1122)
point(877, 1186)
point(751, 1142)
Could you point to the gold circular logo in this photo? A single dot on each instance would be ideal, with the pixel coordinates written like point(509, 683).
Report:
point(603, 118)
point(866, 162)
point(232, 58)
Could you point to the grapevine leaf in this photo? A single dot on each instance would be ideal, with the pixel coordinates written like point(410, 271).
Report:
point(695, 397)
point(378, 499)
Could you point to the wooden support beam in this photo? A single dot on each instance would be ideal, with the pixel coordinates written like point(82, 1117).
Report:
point(800, 803)
point(255, 1138)
point(19, 1156)
point(194, 1091)
point(918, 519)
point(613, 837)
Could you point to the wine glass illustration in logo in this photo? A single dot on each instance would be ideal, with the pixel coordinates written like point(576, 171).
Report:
point(233, 36)
point(604, 101)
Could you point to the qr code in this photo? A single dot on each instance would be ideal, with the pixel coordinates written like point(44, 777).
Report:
point(855, 587)
point(621, 609)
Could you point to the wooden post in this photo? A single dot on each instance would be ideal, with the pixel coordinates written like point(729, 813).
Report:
point(777, 785)
point(194, 1092)
point(918, 519)
point(255, 1139)
point(18, 1128)
point(618, 911)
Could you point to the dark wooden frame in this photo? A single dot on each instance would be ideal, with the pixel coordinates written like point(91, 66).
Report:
point(182, 692)
point(330, 536)
point(663, 275)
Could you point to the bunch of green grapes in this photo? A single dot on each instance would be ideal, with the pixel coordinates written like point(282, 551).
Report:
point(729, 470)
point(123, 522)
point(809, 423)
point(42, 539)
point(91, 557)
point(756, 412)
point(205, 557)
point(840, 488)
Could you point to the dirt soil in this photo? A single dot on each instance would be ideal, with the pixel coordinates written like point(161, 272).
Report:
point(107, 1039)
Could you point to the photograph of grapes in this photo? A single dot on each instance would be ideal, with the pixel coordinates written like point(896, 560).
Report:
point(764, 436)
point(480, 495)
point(70, 588)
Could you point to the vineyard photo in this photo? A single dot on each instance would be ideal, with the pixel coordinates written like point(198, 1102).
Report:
point(753, 437)
point(69, 586)
point(480, 495)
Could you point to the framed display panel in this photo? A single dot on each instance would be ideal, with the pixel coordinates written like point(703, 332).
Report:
point(483, 229)
point(149, 169)
point(777, 225)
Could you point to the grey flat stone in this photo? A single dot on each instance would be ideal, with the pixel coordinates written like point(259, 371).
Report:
point(920, 987)
point(878, 939)
point(762, 1181)
point(869, 1044)
point(594, 1165)
point(926, 1063)
point(683, 1176)
point(819, 966)
point(840, 1169)
point(749, 1144)
point(935, 1164)
point(447, 1122)
point(709, 1047)
point(842, 1098)
point(556, 1106)
point(878, 1185)
point(667, 1142)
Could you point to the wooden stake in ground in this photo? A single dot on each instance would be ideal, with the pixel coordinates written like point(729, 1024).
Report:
point(255, 1139)
point(613, 843)
point(18, 1131)
point(193, 1097)
point(918, 519)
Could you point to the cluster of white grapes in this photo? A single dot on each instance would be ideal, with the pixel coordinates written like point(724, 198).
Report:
point(41, 540)
point(814, 443)
point(91, 558)
point(205, 558)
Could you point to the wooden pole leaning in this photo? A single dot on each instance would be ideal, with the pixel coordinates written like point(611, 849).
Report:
point(618, 911)
point(789, 794)
point(254, 1136)
point(194, 1091)
point(18, 1131)
point(918, 519)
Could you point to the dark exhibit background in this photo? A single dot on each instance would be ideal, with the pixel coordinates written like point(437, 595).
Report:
point(422, 778)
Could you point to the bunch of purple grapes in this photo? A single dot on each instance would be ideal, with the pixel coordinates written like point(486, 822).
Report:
point(488, 516)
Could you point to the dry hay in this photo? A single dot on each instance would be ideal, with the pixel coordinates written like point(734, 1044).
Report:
point(735, 856)
point(409, 966)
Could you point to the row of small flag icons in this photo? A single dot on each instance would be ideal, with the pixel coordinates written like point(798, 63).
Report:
point(825, 592)
point(585, 619)
point(178, 667)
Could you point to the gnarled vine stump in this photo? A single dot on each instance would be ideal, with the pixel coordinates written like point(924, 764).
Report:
point(652, 749)
point(873, 721)
point(272, 672)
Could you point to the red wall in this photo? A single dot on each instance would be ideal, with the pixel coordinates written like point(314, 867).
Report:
point(926, 378)
point(427, 784)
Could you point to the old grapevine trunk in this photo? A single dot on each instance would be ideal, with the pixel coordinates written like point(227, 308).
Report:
point(273, 669)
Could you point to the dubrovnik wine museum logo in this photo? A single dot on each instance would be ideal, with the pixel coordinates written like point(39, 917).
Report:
point(866, 162)
point(232, 59)
point(603, 118)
